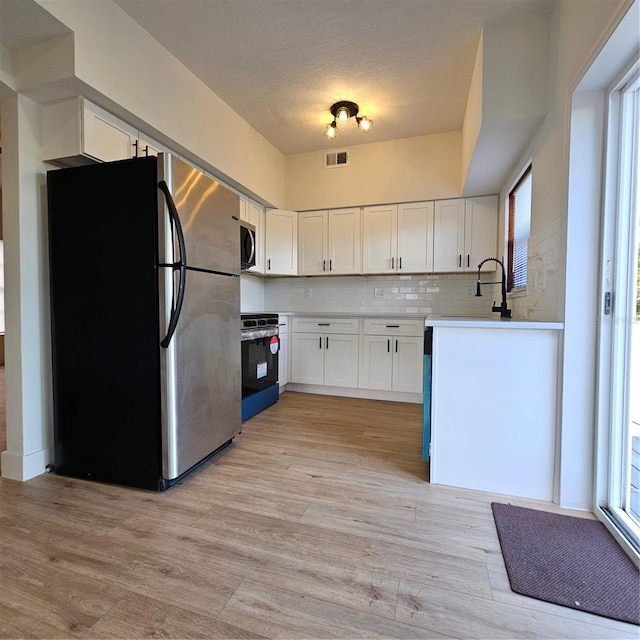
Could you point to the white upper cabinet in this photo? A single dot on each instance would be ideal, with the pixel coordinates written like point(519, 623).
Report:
point(344, 241)
point(448, 235)
point(481, 231)
point(76, 132)
point(145, 146)
point(312, 243)
point(329, 242)
point(415, 237)
point(398, 238)
point(281, 242)
point(465, 232)
point(379, 239)
point(105, 137)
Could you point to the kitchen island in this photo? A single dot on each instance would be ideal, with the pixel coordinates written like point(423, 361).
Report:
point(494, 404)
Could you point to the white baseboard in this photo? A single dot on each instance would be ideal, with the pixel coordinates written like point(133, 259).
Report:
point(350, 392)
point(25, 467)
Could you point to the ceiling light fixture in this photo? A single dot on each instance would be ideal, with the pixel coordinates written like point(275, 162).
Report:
point(342, 112)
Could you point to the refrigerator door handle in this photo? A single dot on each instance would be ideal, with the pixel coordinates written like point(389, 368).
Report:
point(181, 264)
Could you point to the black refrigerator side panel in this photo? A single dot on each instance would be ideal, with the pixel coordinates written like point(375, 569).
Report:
point(103, 255)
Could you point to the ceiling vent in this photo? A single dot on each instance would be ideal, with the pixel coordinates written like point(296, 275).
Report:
point(336, 159)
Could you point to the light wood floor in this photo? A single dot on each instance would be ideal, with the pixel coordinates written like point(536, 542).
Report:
point(318, 522)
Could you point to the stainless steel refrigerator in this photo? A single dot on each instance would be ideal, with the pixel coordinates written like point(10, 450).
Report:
point(144, 259)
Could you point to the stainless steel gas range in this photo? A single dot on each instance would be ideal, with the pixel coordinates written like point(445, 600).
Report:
point(260, 347)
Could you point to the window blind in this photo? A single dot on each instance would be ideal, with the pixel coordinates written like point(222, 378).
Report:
point(519, 231)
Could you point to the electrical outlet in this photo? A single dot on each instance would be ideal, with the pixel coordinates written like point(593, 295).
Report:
point(307, 293)
point(378, 293)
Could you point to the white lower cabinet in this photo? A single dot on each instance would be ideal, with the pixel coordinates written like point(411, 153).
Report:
point(283, 356)
point(322, 356)
point(392, 355)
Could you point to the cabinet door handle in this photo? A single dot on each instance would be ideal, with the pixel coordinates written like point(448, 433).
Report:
point(326, 343)
point(468, 260)
point(330, 264)
point(320, 342)
point(460, 260)
point(396, 346)
point(324, 324)
point(135, 149)
point(400, 263)
point(393, 263)
point(388, 345)
point(324, 265)
point(268, 264)
point(393, 326)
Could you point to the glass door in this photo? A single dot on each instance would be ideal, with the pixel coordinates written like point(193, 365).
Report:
point(620, 336)
point(632, 501)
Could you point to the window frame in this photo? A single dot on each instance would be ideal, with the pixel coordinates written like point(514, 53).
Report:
point(511, 226)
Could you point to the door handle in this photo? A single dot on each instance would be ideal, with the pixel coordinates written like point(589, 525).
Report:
point(468, 260)
point(388, 345)
point(400, 263)
point(180, 264)
point(320, 342)
point(460, 260)
point(326, 344)
point(324, 265)
point(330, 264)
point(393, 262)
point(396, 346)
point(268, 264)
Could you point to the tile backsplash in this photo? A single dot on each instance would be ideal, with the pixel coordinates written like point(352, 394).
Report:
point(441, 294)
point(542, 298)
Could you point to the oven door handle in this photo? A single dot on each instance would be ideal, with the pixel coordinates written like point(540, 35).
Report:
point(250, 336)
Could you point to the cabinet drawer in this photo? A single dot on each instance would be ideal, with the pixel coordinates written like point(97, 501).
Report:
point(394, 327)
point(325, 325)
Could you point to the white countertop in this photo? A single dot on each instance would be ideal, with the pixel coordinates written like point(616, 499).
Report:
point(474, 322)
point(350, 314)
point(462, 322)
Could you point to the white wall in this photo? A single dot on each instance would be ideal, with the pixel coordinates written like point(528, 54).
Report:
point(27, 358)
point(563, 249)
point(406, 170)
point(507, 99)
point(123, 69)
point(6, 68)
point(472, 114)
point(422, 168)
point(131, 79)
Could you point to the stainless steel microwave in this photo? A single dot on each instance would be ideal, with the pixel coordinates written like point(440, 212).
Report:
point(247, 245)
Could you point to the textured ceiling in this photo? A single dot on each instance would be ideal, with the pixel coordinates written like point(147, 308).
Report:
point(280, 64)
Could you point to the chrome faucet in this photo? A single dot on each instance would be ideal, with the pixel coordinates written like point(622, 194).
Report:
point(504, 312)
